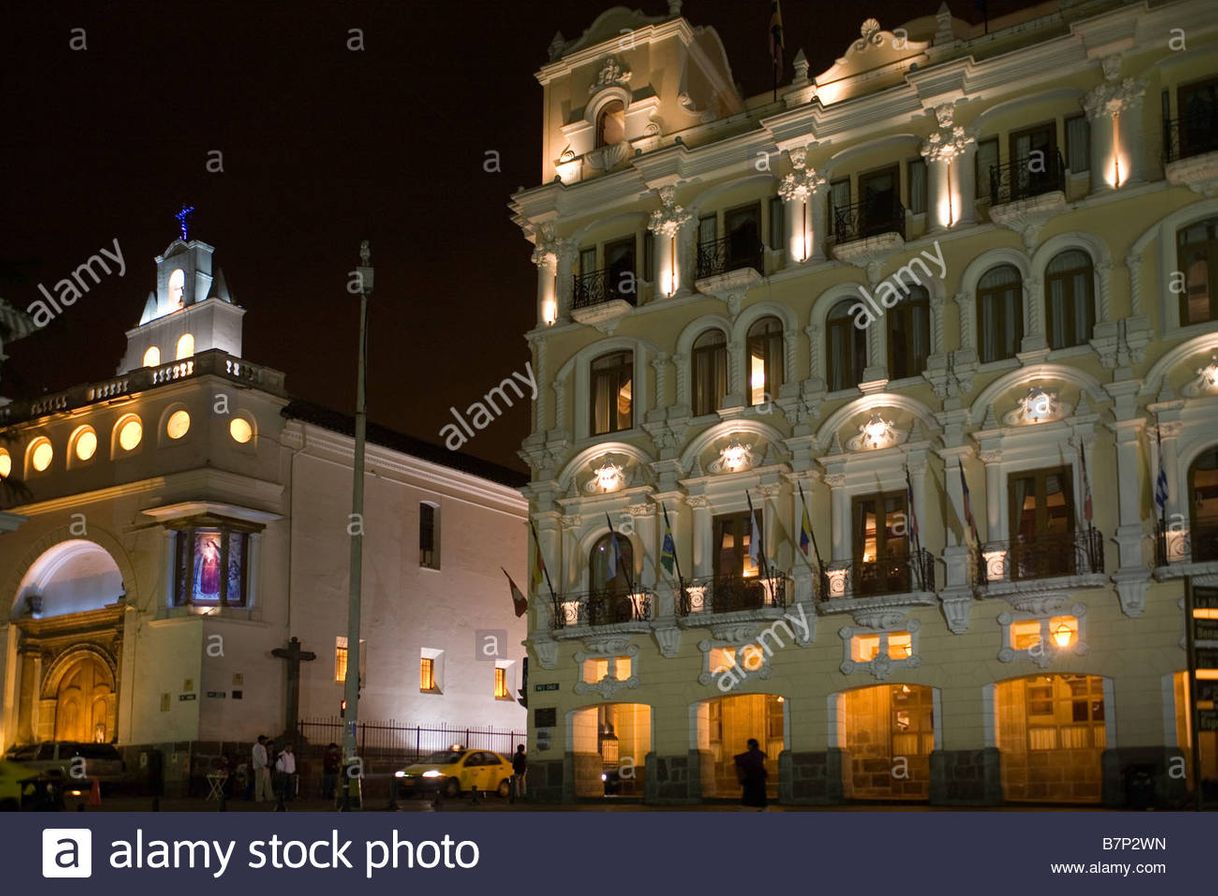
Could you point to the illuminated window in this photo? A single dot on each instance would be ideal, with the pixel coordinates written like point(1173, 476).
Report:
point(999, 313)
point(241, 431)
point(41, 454)
point(130, 433)
point(708, 365)
point(846, 344)
point(429, 536)
point(611, 567)
point(1203, 503)
point(177, 283)
point(765, 360)
point(340, 659)
point(622, 667)
point(1042, 524)
point(735, 556)
point(178, 424)
point(1197, 258)
point(152, 357)
point(611, 124)
point(900, 645)
point(84, 443)
point(612, 393)
point(1070, 293)
point(597, 669)
point(721, 659)
point(501, 685)
point(865, 648)
point(427, 674)
point(211, 566)
point(881, 544)
point(186, 346)
point(6, 464)
point(1025, 634)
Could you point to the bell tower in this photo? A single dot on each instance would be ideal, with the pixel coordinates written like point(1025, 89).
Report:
point(190, 311)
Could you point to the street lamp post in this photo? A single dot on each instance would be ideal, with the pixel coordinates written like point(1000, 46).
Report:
point(355, 528)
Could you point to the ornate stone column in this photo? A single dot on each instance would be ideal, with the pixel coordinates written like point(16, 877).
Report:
point(805, 238)
point(949, 172)
point(666, 224)
point(545, 256)
point(996, 527)
point(703, 538)
point(839, 508)
point(565, 284)
point(1117, 147)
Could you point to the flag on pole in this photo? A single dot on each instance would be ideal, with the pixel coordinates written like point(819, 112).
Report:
point(668, 549)
point(909, 501)
point(537, 573)
point(1161, 494)
point(519, 601)
point(805, 527)
point(1082, 453)
point(614, 556)
point(968, 505)
point(754, 538)
point(777, 44)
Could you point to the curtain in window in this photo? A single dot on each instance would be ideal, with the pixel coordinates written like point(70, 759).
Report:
point(1078, 143)
point(709, 372)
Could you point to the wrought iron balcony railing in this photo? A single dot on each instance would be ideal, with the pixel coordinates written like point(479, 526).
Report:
point(892, 574)
point(867, 218)
point(1043, 557)
point(729, 254)
point(1189, 136)
point(1197, 544)
point(1033, 175)
point(730, 594)
point(602, 286)
point(602, 608)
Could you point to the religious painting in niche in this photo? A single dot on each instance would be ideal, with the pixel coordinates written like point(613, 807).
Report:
point(210, 568)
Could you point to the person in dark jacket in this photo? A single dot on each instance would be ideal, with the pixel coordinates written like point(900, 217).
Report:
point(750, 771)
point(520, 765)
point(331, 762)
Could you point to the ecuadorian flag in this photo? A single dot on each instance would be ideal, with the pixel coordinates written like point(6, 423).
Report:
point(668, 550)
point(805, 532)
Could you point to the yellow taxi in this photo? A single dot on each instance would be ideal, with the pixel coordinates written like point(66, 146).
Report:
point(22, 787)
point(455, 771)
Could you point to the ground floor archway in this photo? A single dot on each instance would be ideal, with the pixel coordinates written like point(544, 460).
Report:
point(1207, 741)
point(609, 745)
point(83, 706)
point(1051, 734)
point(723, 727)
point(887, 733)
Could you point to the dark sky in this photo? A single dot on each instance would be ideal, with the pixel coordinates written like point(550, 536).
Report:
point(322, 147)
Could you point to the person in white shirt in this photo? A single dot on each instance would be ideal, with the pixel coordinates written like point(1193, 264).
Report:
point(285, 772)
point(262, 771)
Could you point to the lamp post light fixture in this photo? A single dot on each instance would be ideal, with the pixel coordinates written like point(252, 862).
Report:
point(1063, 635)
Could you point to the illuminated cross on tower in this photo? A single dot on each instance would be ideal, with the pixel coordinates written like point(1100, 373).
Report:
point(181, 216)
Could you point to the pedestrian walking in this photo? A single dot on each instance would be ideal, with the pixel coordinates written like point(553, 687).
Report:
point(331, 762)
point(285, 773)
point(261, 762)
point(751, 773)
point(520, 765)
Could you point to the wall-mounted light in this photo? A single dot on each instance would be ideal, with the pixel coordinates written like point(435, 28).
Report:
point(733, 457)
point(1063, 634)
point(1038, 406)
point(1209, 373)
point(608, 477)
point(876, 432)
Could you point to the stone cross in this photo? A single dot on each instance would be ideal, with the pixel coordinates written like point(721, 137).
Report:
point(294, 656)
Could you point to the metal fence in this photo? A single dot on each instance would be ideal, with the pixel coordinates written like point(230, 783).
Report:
point(392, 739)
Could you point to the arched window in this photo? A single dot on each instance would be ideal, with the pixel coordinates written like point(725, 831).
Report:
point(1070, 292)
point(765, 360)
point(611, 393)
point(611, 564)
point(1197, 257)
point(846, 357)
point(1203, 505)
point(999, 313)
point(177, 284)
point(709, 367)
point(611, 124)
point(908, 325)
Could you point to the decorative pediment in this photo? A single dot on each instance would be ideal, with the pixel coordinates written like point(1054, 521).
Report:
point(1039, 405)
point(875, 48)
point(613, 73)
point(876, 432)
point(1206, 381)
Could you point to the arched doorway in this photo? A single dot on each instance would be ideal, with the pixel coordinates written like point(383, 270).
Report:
point(723, 728)
point(609, 746)
point(1051, 732)
point(889, 734)
point(84, 704)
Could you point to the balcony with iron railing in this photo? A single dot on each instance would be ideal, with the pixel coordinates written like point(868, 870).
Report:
point(734, 594)
point(732, 253)
point(1196, 544)
point(882, 577)
point(602, 608)
point(1033, 175)
point(608, 285)
point(868, 218)
point(1189, 136)
point(1074, 555)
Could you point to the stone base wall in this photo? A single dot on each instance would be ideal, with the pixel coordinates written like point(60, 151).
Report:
point(965, 777)
point(810, 778)
point(1145, 777)
point(586, 782)
point(544, 781)
point(675, 779)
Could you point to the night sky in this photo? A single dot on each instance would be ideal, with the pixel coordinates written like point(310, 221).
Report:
point(322, 147)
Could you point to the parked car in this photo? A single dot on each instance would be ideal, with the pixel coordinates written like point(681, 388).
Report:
point(455, 771)
point(74, 761)
point(22, 787)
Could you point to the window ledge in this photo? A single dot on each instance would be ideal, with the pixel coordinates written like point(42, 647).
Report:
point(1185, 569)
point(1018, 587)
point(575, 632)
point(431, 691)
point(706, 619)
point(875, 602)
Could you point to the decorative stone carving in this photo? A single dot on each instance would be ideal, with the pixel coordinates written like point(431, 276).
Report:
point(949, 139)
point(1114, 96)
point(803, 181)
point(668, 639)
point(613, 73)
point(546, 246)
point(1037, 406)
point(870, 32)
point(547, 652)
point(669, 218)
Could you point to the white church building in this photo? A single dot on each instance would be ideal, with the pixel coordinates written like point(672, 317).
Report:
point(168, 527)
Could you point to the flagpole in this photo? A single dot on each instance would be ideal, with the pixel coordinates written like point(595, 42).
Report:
point(629, 571)
point(820, 563)
point(541, 555)
point(676, 556)
point(765, 566)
